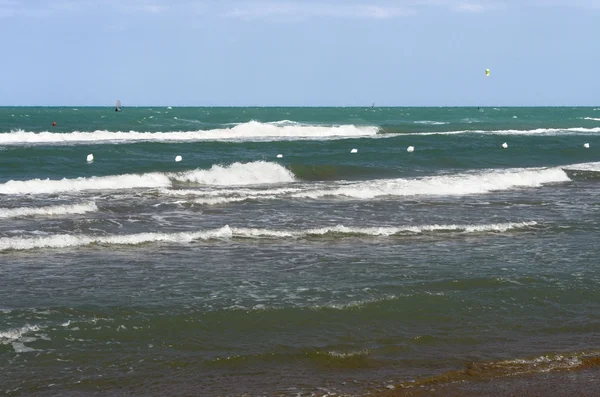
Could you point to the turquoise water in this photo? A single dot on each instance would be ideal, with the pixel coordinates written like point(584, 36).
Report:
point(343, 265)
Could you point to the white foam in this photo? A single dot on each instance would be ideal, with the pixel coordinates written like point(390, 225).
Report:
point(429, 122)
point(592, 118)
point(280, 156)
point(68, 240)
point(90, 158)
point(504, 145)
point(586, 145)
point(537, 131)
point(178, 158)
point(258, 172)
point(226, 232)
point(19, 347)
point(354, 151)
point(48, 210)
point(251, 131)
point(546, 363)
point(378, 231)
point(445, 185)
point(594, 167)
point(225, 200)
point(229, 192)
point(46, 186)
point(350, 354)
point(410, 149)
point(16, 334)
point(452, 185)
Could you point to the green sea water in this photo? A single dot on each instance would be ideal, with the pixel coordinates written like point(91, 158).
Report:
point(293, 251)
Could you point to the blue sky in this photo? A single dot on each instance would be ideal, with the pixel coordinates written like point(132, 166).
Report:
point(300, 53)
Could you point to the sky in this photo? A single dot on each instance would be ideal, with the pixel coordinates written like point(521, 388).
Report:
point(300, 53)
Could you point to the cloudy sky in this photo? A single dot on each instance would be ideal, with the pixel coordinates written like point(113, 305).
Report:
point(300, 53)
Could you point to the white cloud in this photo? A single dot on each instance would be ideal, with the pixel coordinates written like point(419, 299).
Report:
point(144, 7)
point(22, 8)
point(152, 8)
point(469, 7)
point(298, 10)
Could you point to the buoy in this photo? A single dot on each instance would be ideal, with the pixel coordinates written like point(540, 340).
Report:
point(410, 149)
point(280, 156)
point(586, 145)
point(178, 158)
point(90, 158)
point(54, 124)
point(504, 145)
point(353, 151)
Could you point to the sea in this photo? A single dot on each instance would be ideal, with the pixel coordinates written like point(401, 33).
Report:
point(303, 251)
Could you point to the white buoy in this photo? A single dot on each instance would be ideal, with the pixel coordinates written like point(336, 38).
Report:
point(354, 151)
point(410, 149)
point(586, 145)
point(279, 156)
point(90, 158)
point(178, 158)
point(504, 145)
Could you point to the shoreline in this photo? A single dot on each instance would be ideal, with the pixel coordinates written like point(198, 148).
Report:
point(582, 380)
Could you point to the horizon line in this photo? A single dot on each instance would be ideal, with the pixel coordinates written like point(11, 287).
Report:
point(300, 106)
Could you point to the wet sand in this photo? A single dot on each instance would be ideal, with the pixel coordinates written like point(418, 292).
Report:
point(572, 383)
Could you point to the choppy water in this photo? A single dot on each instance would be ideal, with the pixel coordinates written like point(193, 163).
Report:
point(235, 271)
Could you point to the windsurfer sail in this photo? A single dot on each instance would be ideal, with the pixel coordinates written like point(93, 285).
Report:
point(118, 106)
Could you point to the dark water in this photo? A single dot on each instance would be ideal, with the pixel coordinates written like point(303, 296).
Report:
point(235, 271)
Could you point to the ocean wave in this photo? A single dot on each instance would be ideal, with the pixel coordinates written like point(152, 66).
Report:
point(254, 173)
point(441, 185)
point(592, 167)
point(250, 131)
point(52, 210)
point(429, 122)
point(536, 131)
point(227, 232)
point(444, 185)
point(259, 172)
point(584, 171)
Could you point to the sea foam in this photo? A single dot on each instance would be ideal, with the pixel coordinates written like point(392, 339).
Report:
point(227, 232)
point(48, 210)
point(536, 131)
point(259, 172)
point(445, 185)
point(480, 182)
point(250, 131)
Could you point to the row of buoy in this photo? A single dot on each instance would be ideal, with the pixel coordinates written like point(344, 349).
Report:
point(90, 158)
point(410, 149)
point(585, 145)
